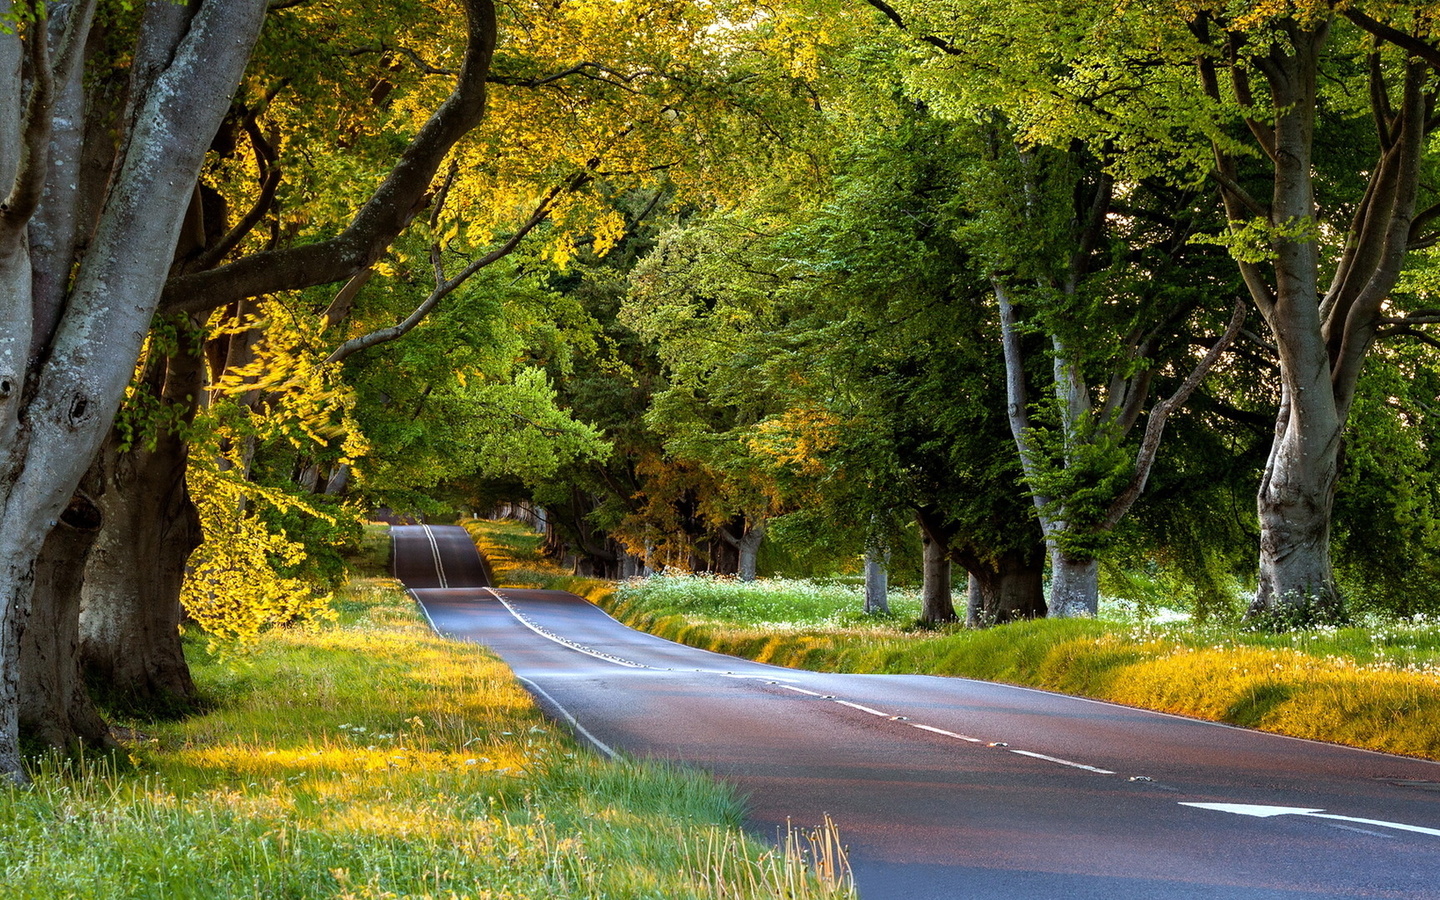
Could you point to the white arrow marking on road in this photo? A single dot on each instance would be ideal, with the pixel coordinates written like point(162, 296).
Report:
point(1265, 812)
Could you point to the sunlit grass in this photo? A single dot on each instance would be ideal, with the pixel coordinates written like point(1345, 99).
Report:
point(373, 760)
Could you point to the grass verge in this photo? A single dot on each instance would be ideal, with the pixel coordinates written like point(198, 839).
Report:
point(1376, 687)
point(370, 759)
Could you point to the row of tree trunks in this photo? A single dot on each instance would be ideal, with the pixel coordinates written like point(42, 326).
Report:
point(1003, 587)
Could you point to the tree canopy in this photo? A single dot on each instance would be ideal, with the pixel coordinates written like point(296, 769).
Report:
point(1041, 289)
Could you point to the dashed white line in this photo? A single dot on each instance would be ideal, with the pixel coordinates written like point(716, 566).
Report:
point(952, 734)
point(611, 658)
point(800, 690)
point(866, 709)
point(1063, 762)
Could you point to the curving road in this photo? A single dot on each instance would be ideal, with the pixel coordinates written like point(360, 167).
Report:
point(952, 788)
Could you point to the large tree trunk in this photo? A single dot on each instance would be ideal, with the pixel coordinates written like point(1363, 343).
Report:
point(130, 611)
point(1074, 585)
point(55, 708)
point(130, 617)
point(56, 409)
point(1295, 500)
point(937, 604)
point(1010, 589)
point(749, 548)
point(877, 582)
point(1322, 337)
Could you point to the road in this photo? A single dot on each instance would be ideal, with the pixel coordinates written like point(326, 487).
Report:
point(954, 788)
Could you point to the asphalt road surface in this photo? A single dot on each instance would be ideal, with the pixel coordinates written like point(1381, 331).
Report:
point(953, 788)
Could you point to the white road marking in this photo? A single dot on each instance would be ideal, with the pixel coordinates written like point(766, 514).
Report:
point(435, 552)
point(1192, 720)
point(426, 613)
point(873, 712)
point(934, 730)
point(1266, 812)
point(564, 642)
point(596, 742)
point(621, 661)
point(1063, 762)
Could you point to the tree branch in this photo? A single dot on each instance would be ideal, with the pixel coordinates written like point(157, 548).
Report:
point(1240, 194)
point(938, 43)
point(266, 160)
point(383, 216)
point(1411, 44)
point(1380, 110)
point(1420, 336)
point(29, 184)
point(1155, 427)
point(444, 288)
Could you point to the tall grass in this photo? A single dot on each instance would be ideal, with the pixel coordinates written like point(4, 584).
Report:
point(374, 760)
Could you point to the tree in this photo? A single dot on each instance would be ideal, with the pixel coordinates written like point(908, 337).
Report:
point(72, 337)
point(1262, 102)
point(264, 221)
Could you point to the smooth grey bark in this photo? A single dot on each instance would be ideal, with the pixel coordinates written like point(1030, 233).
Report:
point(1297, 489)
point(877, 581)
point(1077, 595)
point(339, 481)
point(749, 547)
point(746, 546)
point(55, 415)
point(1074, 577)
point(1322, 336)
point(1074, 585)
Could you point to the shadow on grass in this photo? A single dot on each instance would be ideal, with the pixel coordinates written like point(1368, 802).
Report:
point(1250, 711)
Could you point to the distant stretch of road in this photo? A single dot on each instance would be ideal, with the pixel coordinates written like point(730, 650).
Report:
point(953, 788)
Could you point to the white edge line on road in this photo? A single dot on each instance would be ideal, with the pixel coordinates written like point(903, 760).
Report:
point(952, 734)
point(873, 712)
point(532, 686)
point(604, 748)
point(580, 729)
point(1064, 762)
point(425, 612)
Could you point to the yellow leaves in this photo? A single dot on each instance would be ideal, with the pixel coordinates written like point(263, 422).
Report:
point(232, 589)
point(796, 438)
point(1264, 12)
point(306, 400)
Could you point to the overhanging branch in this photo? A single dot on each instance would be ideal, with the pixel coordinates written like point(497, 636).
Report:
point(380, 220)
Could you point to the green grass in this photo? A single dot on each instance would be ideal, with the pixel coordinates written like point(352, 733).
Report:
point(370, 759)
point(1376, 686)
point(776, 603)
